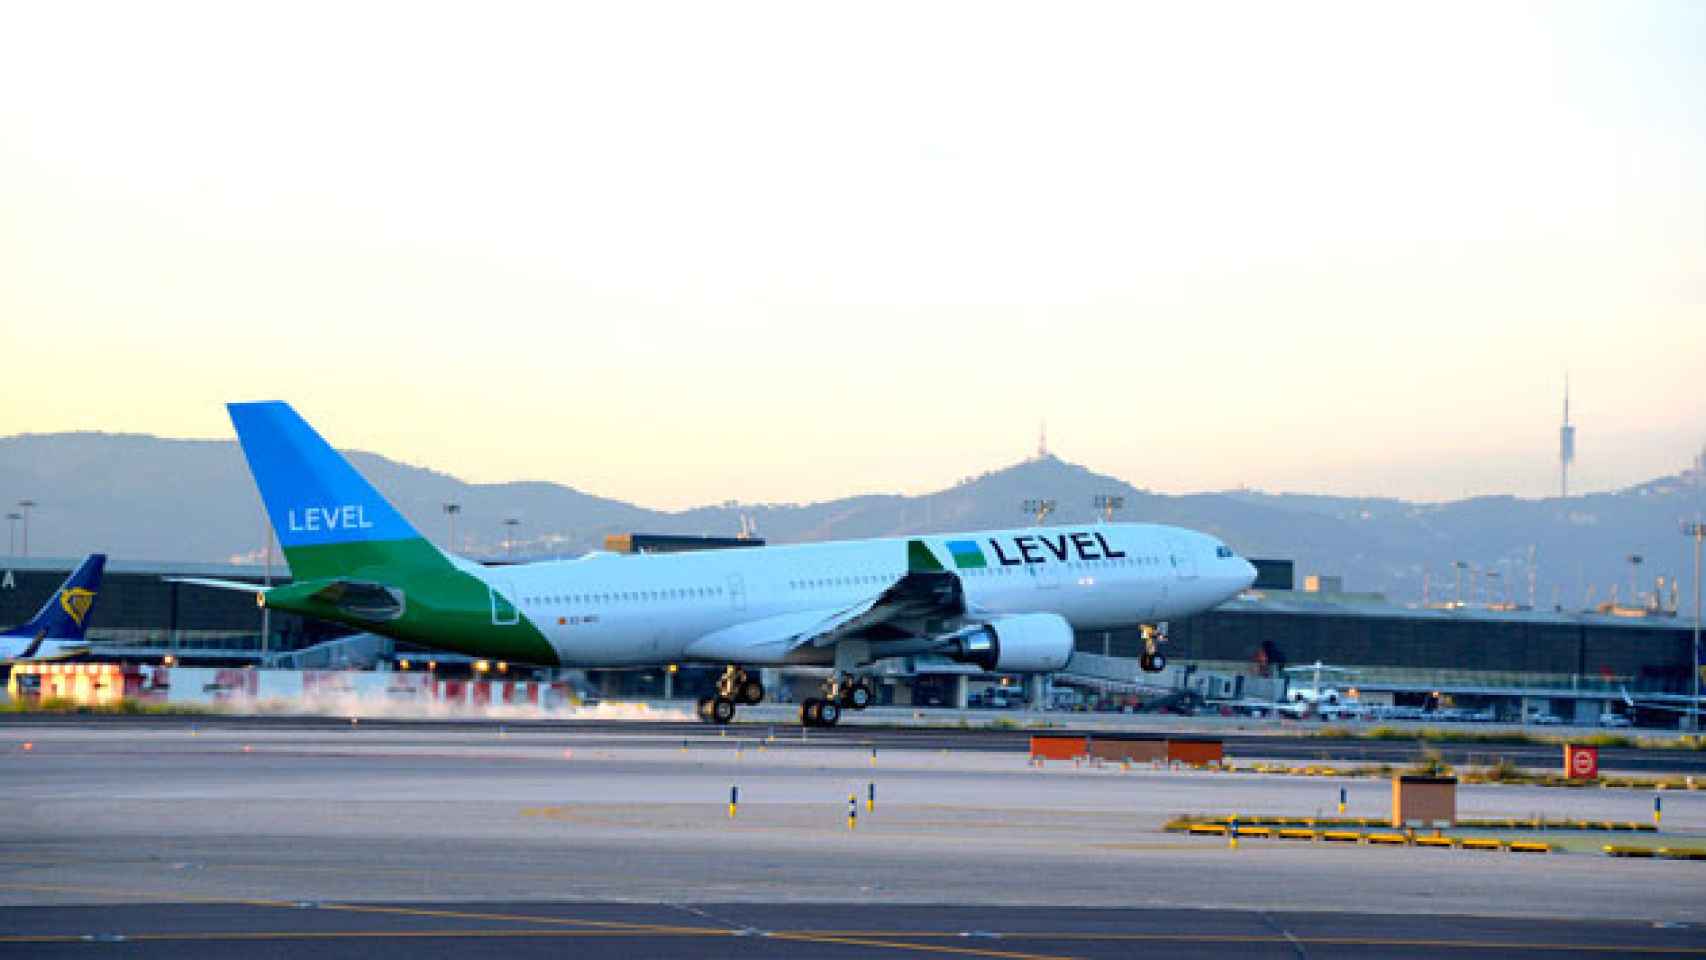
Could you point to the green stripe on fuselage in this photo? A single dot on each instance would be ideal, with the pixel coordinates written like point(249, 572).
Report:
point(443, 607)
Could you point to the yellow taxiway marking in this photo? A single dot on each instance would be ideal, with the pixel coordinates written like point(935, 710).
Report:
point(888, 941)
point(525, 918)
point(881, 939)
point(612, 925)
point(215, 936)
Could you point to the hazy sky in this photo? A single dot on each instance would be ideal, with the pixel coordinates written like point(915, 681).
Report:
point(678, 253)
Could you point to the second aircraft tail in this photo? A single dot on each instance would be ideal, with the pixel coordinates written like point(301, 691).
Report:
point(65, 616)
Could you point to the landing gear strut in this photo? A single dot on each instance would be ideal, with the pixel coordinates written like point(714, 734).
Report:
point(1153, 660)
point(734, 688)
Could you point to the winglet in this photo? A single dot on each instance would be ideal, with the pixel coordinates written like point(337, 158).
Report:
point(919, 559)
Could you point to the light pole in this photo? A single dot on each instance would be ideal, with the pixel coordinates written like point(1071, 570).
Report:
point(12, 533)
point(450, 512)
point(509, 538)
point(1106, 504)
point(1697, 530)
point(1635, 561)
point(1459, 566)
point(26, 505)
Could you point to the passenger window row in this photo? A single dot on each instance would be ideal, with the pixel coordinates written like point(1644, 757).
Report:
point(1103, 563)
point(627, 596)
point(865, 579)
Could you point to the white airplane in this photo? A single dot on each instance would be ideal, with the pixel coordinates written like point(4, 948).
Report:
point(1005, 600)
point(1316, 700)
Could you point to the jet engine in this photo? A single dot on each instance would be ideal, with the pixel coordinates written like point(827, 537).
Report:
point(1022, 643)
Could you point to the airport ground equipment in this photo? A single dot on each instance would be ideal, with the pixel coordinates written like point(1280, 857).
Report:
point(1424, 801)
point(1005, 601)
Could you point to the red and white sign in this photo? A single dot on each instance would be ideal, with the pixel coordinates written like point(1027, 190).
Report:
point(1581, 763)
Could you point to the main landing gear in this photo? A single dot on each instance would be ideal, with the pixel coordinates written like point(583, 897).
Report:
point(1153, 660)
point(734, 688)
point(842, 691)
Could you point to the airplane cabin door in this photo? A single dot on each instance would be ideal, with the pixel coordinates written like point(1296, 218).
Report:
point(1183, 559)
point(737, 592)
point(504, 613)
point(1046, 574)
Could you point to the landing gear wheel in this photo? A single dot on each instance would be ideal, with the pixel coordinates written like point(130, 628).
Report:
point(811, 712)
point(859, 695)
point(828, 713)
point(722, 710)
point(705, 709)
point(751, 691)
point(1153, 662)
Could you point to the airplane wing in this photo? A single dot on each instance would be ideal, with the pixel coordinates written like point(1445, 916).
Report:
point(925, 600)
point(927, 592)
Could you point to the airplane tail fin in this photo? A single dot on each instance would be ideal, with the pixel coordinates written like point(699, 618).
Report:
point(329, 520)
point(65, 616)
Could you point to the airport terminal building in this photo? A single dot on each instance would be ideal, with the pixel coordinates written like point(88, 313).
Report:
point(1574, 665)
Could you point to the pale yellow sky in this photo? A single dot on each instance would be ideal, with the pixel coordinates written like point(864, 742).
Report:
point(679, 253)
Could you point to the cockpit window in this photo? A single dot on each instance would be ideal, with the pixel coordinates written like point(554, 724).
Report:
point(1223, 552)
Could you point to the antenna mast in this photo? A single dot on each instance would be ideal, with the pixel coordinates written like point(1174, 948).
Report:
point(1566, 445)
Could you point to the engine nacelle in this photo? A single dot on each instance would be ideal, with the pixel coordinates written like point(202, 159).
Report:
point(1022, 643)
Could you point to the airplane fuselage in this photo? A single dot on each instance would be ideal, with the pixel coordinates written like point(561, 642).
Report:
point(611, 609)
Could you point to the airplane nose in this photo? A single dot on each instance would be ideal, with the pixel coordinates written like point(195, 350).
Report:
point(1249, 573)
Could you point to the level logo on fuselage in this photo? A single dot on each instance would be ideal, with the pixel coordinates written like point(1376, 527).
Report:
point(1042, 548)
point(967, 555)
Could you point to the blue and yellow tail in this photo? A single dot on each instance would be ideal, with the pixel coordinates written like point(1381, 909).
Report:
point(65, 616)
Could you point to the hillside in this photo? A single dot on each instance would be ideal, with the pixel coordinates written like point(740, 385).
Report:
point(150, 498)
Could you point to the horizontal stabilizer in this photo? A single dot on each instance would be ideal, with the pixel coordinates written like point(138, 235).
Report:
point(34, 647)
point(358, 598)
point(237, 585)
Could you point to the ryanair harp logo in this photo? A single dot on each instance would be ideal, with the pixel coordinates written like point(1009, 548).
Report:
point(76, 602)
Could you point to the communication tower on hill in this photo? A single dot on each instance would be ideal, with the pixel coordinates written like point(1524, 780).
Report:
point(1566, 445)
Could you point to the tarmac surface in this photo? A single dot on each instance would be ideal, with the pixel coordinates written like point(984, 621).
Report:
point(370, 839)
point(1244, 739)
point(619, 930)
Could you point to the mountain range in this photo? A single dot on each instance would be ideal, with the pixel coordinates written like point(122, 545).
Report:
point(148, 498)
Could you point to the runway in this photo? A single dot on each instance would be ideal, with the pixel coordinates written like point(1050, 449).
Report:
point(332, 838)
point(745, 930)
point(1244, 740)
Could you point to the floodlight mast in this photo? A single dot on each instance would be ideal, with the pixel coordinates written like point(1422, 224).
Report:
point(1697, 530)
point(1106, 504)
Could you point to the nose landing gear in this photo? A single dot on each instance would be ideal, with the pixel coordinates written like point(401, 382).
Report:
point(1153, 660)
